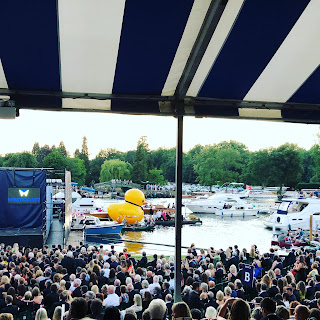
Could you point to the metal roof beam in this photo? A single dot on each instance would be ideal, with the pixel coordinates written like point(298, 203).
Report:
point(208, 27)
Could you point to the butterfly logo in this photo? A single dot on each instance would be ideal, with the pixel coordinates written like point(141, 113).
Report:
point(24, 193)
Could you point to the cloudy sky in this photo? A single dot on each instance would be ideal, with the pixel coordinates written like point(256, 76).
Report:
point(123, 131)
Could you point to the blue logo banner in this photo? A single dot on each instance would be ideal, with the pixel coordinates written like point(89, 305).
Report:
point(23, 195)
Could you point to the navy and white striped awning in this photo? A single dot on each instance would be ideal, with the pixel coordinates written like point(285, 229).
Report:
point(252, 59)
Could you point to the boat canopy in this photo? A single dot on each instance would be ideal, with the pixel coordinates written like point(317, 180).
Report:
point(243, 59)
point(283, 207)
point(87, 189)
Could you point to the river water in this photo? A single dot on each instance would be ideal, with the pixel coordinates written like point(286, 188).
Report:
point(215, 231)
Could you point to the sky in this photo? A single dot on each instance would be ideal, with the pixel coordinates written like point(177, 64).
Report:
point(122, 132)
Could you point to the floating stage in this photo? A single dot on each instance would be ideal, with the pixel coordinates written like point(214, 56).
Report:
point(24, 237)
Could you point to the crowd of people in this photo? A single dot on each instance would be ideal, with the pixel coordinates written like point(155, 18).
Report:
point(100, 283)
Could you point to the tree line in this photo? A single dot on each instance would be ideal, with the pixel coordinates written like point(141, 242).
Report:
point(208, 165)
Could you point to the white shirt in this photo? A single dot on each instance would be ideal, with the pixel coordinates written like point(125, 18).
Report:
point(112, 300)
point(171, 282)
point(152, 286)
point(106, 272)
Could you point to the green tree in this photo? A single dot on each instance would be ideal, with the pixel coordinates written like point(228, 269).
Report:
point(77, 169)
point(308, 165)
point(95, 168)
point(115, 169)
point(62, 149)
point(257, 170)
point(129, 156)
point(84, 155)
point(219, 163)
point(20, 160)
point(188, 174)
point(76, 153)
point(141, 162)
point(285, 165)
point(165, 159)
point(156, 177)
point(36, 149)
point(55, 160)
point(40, 152)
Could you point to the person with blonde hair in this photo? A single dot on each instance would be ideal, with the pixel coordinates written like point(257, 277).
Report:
point(4, 280)
point(232, 275)
point(41, 314)
point(227, 293)
point(267, 280)
point(57, 314)
point(211, 313)
point(6, 316)
point(95, 289)
point(137, 303)
point(220, 298)
point(314, 271)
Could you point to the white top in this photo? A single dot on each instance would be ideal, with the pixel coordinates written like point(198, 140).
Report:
point(153, 285)
point(112, 300)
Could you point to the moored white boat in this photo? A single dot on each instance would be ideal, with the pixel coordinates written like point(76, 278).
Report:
point(295, 213)
point(213, 203)
point(237, 209)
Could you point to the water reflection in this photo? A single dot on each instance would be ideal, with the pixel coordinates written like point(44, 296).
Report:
point(215, 231)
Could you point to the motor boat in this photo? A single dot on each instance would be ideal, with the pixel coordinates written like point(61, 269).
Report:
point(97, 228)
point(59, 198)
point(92, 226)
point(237, 208)
point(88, 206)
point(214, 202)
point(295, 213)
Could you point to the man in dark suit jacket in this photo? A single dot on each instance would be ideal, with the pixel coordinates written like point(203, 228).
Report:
point(273, 290)
point(317, 284)
point(169, 304)
point(268, 308)
point(42, 283)
point(266, 262)
point(194, 297)
point(79, 261)
point(290, 259)
point(263, 292)
point(131, 292)
point(52, 297)
point(166, 290)
point(239, 290)
point(77, 293)
point(211, 301)
point(121, 275)
point(69, 263)
point(233, 260)
point(144, 260)
point(9, 308)
point(63, 300)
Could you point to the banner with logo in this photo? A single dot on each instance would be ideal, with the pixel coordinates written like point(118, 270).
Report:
point(22, 199)
point(23, 195)
point(247, 275)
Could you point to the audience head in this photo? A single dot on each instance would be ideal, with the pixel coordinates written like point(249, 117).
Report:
point(78, 308)
point(157, 309)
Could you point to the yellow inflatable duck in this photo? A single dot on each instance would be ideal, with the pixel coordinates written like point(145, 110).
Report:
point(130, 210)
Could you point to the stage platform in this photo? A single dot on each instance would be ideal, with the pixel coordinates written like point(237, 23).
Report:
point(24, 237)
